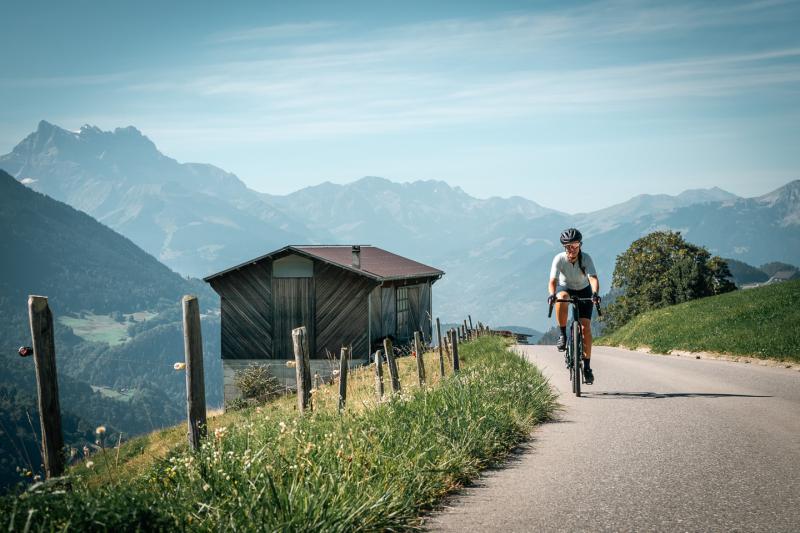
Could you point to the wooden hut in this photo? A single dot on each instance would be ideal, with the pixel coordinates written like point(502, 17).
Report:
point(344, 295)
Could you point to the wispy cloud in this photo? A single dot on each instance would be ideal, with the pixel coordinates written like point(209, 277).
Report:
point(314, 80)
point(277, 32)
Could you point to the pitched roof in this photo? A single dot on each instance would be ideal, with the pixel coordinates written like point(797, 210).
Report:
point(376, 263)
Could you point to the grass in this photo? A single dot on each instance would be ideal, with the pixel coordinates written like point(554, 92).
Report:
point(761, 322)
point(108, 392)
point(375, 467)
point(103, 328)
point(97, 328)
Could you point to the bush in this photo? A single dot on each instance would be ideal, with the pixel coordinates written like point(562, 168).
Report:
point(257, 383)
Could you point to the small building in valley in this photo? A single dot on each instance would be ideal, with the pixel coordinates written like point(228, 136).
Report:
point(344, 295)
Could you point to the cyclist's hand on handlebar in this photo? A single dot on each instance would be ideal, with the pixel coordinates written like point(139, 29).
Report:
point(595, 298)
point(551, 300)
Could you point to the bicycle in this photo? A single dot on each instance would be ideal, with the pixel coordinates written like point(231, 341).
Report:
point(573, 355)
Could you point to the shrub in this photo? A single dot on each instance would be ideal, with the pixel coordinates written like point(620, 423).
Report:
point(257, 383)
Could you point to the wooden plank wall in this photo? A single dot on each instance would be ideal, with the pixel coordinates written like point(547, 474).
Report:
point(246, 309)
point(425, 311)
point(341, 310)
point(293, 307)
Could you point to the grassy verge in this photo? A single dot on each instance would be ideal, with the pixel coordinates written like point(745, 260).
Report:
point(375, 467)
point(759, 322)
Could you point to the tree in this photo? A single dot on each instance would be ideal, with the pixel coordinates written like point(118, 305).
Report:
point(662, 269)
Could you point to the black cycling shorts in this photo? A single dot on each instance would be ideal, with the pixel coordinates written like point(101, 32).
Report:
point(584, 308)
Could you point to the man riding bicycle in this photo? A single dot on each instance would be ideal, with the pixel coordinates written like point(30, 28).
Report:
point(573, 274)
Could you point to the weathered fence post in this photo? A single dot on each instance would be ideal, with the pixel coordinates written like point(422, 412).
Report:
point(390, 360)
point(471, 328)
point(441, 348)
point(302, 368)
point(456, 365)
point(44, 356)
point(420, 362)
point(379, 374)
point(195, 377)
point(343, 367)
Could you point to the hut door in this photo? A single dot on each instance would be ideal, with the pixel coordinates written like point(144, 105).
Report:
point(293, 307)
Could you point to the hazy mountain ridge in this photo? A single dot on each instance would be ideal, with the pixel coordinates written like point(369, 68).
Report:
point(496, 252)
point(170, 209)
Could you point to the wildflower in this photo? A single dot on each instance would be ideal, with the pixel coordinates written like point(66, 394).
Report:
point(86, 451)
point(101, 430)
point(291, 364)
point(89, 464)
point(220, 432)
point(282, 425)
point(37, 477)
point(206, 487)
point(179, 366)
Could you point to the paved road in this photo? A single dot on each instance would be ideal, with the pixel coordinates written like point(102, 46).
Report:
point(659, 443)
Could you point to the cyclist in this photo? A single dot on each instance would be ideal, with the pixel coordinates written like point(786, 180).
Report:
point(573, 274)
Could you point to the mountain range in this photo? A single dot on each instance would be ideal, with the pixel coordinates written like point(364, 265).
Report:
point(198, 219)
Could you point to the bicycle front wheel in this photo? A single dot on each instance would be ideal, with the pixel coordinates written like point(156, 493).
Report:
point(576, 343)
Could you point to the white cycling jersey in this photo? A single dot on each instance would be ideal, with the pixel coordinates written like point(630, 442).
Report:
point(569, 274)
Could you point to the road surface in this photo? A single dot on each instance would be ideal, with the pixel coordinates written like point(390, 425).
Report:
point(659, 443)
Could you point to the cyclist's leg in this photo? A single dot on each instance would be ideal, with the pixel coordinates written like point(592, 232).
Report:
point(586, 327)
point(562, 308)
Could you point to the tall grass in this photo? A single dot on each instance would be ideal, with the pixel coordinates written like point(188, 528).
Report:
point(375, 467)
point(761, 322)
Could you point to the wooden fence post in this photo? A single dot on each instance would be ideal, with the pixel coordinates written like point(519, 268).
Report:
point(379, 374)
point(441, 348)
point(392, 363)
point(456, 366)
point(466, 331)
point(420, 362)
point(195, 377)
point(44, 356)
point(471, 328)
point(302, 368)
point(343, 367)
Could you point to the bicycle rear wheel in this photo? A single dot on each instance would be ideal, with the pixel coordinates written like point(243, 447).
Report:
point(576, 343)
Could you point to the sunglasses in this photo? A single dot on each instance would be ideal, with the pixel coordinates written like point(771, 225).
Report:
point(574, 246)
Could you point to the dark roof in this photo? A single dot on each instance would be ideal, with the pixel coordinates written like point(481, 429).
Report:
point(376, 263)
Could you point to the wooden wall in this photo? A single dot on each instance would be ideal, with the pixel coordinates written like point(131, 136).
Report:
point(341, 310)
point(383, 312)
point(246, 309)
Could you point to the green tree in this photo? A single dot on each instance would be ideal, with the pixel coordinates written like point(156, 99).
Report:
point(662, 269)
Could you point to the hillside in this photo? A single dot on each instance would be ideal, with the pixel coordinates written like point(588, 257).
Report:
point(88, 270)
point(760, 322)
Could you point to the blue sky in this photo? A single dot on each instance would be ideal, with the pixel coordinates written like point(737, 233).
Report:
point(575, 105)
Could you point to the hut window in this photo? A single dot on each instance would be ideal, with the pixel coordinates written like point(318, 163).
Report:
point(402, 311)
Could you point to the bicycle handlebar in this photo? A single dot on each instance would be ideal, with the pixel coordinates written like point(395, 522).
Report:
point(574, 300)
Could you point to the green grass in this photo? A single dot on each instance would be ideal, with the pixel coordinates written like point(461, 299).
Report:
point(97, 328)
point(103, 328)
point(108, 392)
point(761, 322)
point(376, 467)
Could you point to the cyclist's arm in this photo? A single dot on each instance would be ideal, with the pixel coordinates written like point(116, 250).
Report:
point(595, 283)
point(552, 286)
